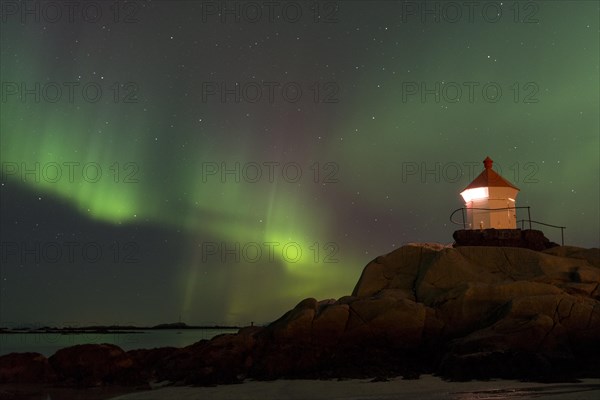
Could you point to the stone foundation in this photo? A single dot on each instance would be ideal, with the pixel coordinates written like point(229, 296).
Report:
point(528, 238)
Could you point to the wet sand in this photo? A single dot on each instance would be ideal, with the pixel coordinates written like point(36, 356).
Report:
point(427, 387)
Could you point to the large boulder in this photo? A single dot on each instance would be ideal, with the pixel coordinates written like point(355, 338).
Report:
point(393, 323)
point(396, 270)
point(150, 363)
point(296, 324)
point(329, 324)
point(93, 365)
point(25, 367)
point(226, 358)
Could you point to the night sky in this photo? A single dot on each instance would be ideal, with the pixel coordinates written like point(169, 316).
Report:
point(162, 161)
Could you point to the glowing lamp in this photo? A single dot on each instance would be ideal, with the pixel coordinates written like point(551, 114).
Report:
point(475, 194)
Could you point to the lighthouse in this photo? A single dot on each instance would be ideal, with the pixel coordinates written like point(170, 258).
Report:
point(490, 200)
point(491, 215)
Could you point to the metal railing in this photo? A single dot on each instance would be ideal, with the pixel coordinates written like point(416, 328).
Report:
point(529, 221)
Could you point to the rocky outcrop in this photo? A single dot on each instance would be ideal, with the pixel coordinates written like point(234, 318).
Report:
point(507, 312)
point(465, 312)
point(514, 310)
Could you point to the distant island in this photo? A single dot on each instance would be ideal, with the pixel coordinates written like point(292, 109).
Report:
point(112, 328)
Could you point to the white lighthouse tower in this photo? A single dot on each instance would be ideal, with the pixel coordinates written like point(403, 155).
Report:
point(490, 201)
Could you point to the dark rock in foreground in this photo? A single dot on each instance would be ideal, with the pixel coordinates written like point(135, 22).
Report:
point(93, 365)
point(463, 313)
point(25, 367)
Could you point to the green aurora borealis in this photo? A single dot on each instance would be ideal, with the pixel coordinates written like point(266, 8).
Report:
point(363, 201)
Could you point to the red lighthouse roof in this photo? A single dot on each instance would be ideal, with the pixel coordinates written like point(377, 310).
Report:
point(489, 178)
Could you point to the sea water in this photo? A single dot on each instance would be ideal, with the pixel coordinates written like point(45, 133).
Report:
point(48, 343)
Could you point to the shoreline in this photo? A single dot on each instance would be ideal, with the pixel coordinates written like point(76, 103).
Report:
point(48, 343)
point(427, 386)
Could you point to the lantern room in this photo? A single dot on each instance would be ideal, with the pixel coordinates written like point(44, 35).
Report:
point(490, 200)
